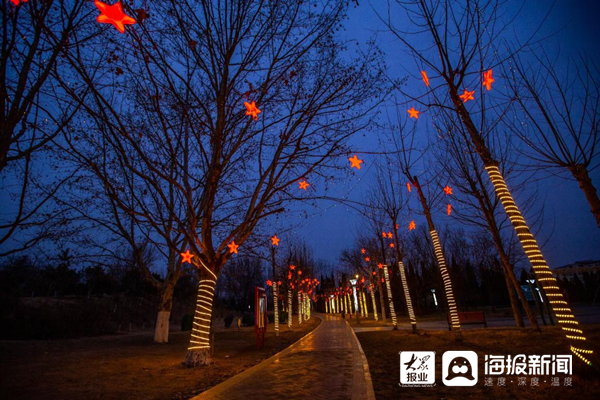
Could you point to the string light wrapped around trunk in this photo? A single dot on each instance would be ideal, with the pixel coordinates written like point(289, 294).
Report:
point(439, 255)
point(276, 307)
point(299, 308)
point(290, 311)
point(199, 339)
point(364, 297)
point(409, 306)
point(390, 299)
point(372, 288)
point(560, 307)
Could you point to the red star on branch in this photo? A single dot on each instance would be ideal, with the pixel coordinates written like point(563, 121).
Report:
point(408, 187)
point(355, 162)
point(367, 259)
point(275, 240)
point(299, 272)
point(391, 245)
point(252, 110)
point(16, 2)
point(113, 15)
point(448, 190)
point(383, 234)
point(466, 96)
point(186, 257)
point(389, 235)
point(363, 251)
point(303, 185)
point(413, 113)
point(292, 267)
point(233, 247)
point(411, 225)
point(269, 283)
point(488, 80)
point(449, 209)
point(380, 265)
point(425, 78)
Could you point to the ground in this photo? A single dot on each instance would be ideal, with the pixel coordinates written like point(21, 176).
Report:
point(130, 366)
point(382, 348)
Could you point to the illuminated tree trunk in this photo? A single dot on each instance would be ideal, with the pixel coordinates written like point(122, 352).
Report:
point(580, 173)
point(374, 302)
point(390, 299)
point(561, 309)
point(199, 349)
point(409, 306)
point(364, 301)
point(276, 307)
point(382, 303)
point(290, 311)
point(441, 260)
point(299, 308)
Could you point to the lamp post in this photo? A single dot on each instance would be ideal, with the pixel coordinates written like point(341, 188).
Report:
point(353, 283)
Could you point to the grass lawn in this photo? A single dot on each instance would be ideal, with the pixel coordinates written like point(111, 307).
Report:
point(130, 366)
point(382, 348)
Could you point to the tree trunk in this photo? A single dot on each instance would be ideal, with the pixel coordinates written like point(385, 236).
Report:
point(382, 304)
point(374, 302)
point(580, 173)
point(514, 302)
point(390, 298)
point(199, 350)
point(161, 330)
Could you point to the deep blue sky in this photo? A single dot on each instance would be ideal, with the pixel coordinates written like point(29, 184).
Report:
point(568, 224)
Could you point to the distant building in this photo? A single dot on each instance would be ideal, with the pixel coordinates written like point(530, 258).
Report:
point(568, 271)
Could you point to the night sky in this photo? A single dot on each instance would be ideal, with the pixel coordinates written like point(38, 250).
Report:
point(569, 230)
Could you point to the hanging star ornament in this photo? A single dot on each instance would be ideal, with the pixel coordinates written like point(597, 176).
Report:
point(252, 110)
point(303, 185)
point(449, 209)
point(275, 240)
point(448, 190)
point(412, 225)
point(233, 247)
point(380, 265)
point(16, 2)
point(355, 162)
point(389, 235)
point(367, 259)
point(425, 78)
point(186, 257)
point(466, 96)
point(488, 80)
point(363, 251)
point(391, 245)
point(413, 113)
point(292, 267)
point(113, 15)
point(408, 187)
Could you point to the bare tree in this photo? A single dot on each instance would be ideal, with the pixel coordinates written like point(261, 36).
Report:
point(33, 112)
point(188, 76)
point(461, 43)
point(562, 109)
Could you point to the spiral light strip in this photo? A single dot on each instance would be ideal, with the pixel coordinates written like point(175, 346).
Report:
point(389, 293)
point(439, 255)
point(409, 306)
point(374, 303)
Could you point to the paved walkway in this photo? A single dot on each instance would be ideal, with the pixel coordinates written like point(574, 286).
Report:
point(328, 363)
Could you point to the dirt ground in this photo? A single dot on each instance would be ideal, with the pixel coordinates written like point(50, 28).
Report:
point(130, 366)
point(382, 350)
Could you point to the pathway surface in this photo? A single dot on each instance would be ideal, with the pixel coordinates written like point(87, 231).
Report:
point(328, 363)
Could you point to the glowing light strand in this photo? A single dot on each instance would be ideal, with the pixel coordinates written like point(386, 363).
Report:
point(364, 301)
point(276, 306)
point(201, 324)
point(299, 308)
point(290, 311)
point(389, 293)
point(439, 255)
point(374, 303)
point(538, 263)
point(409, 306)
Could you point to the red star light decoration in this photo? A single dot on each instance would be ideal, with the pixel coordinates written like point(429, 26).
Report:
point(449, 209)
point(113, 15)
point(412, 225)
point(292, 267)
point(186, 257)
point(252, 110)
point(269, 283)
point(389, 235)
point(16, 2)
point(448, 190)
point(363, 251)
point(391, 245)
point(355, 162)
point(367, 259)
point(233, 247)
point(413, 113)
point(275, 240)
point(383, 234)
point(303, 185)
point(425, 78)
point(299, 272)
point(466, 96)
point(408, 187)
point(488, 80)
